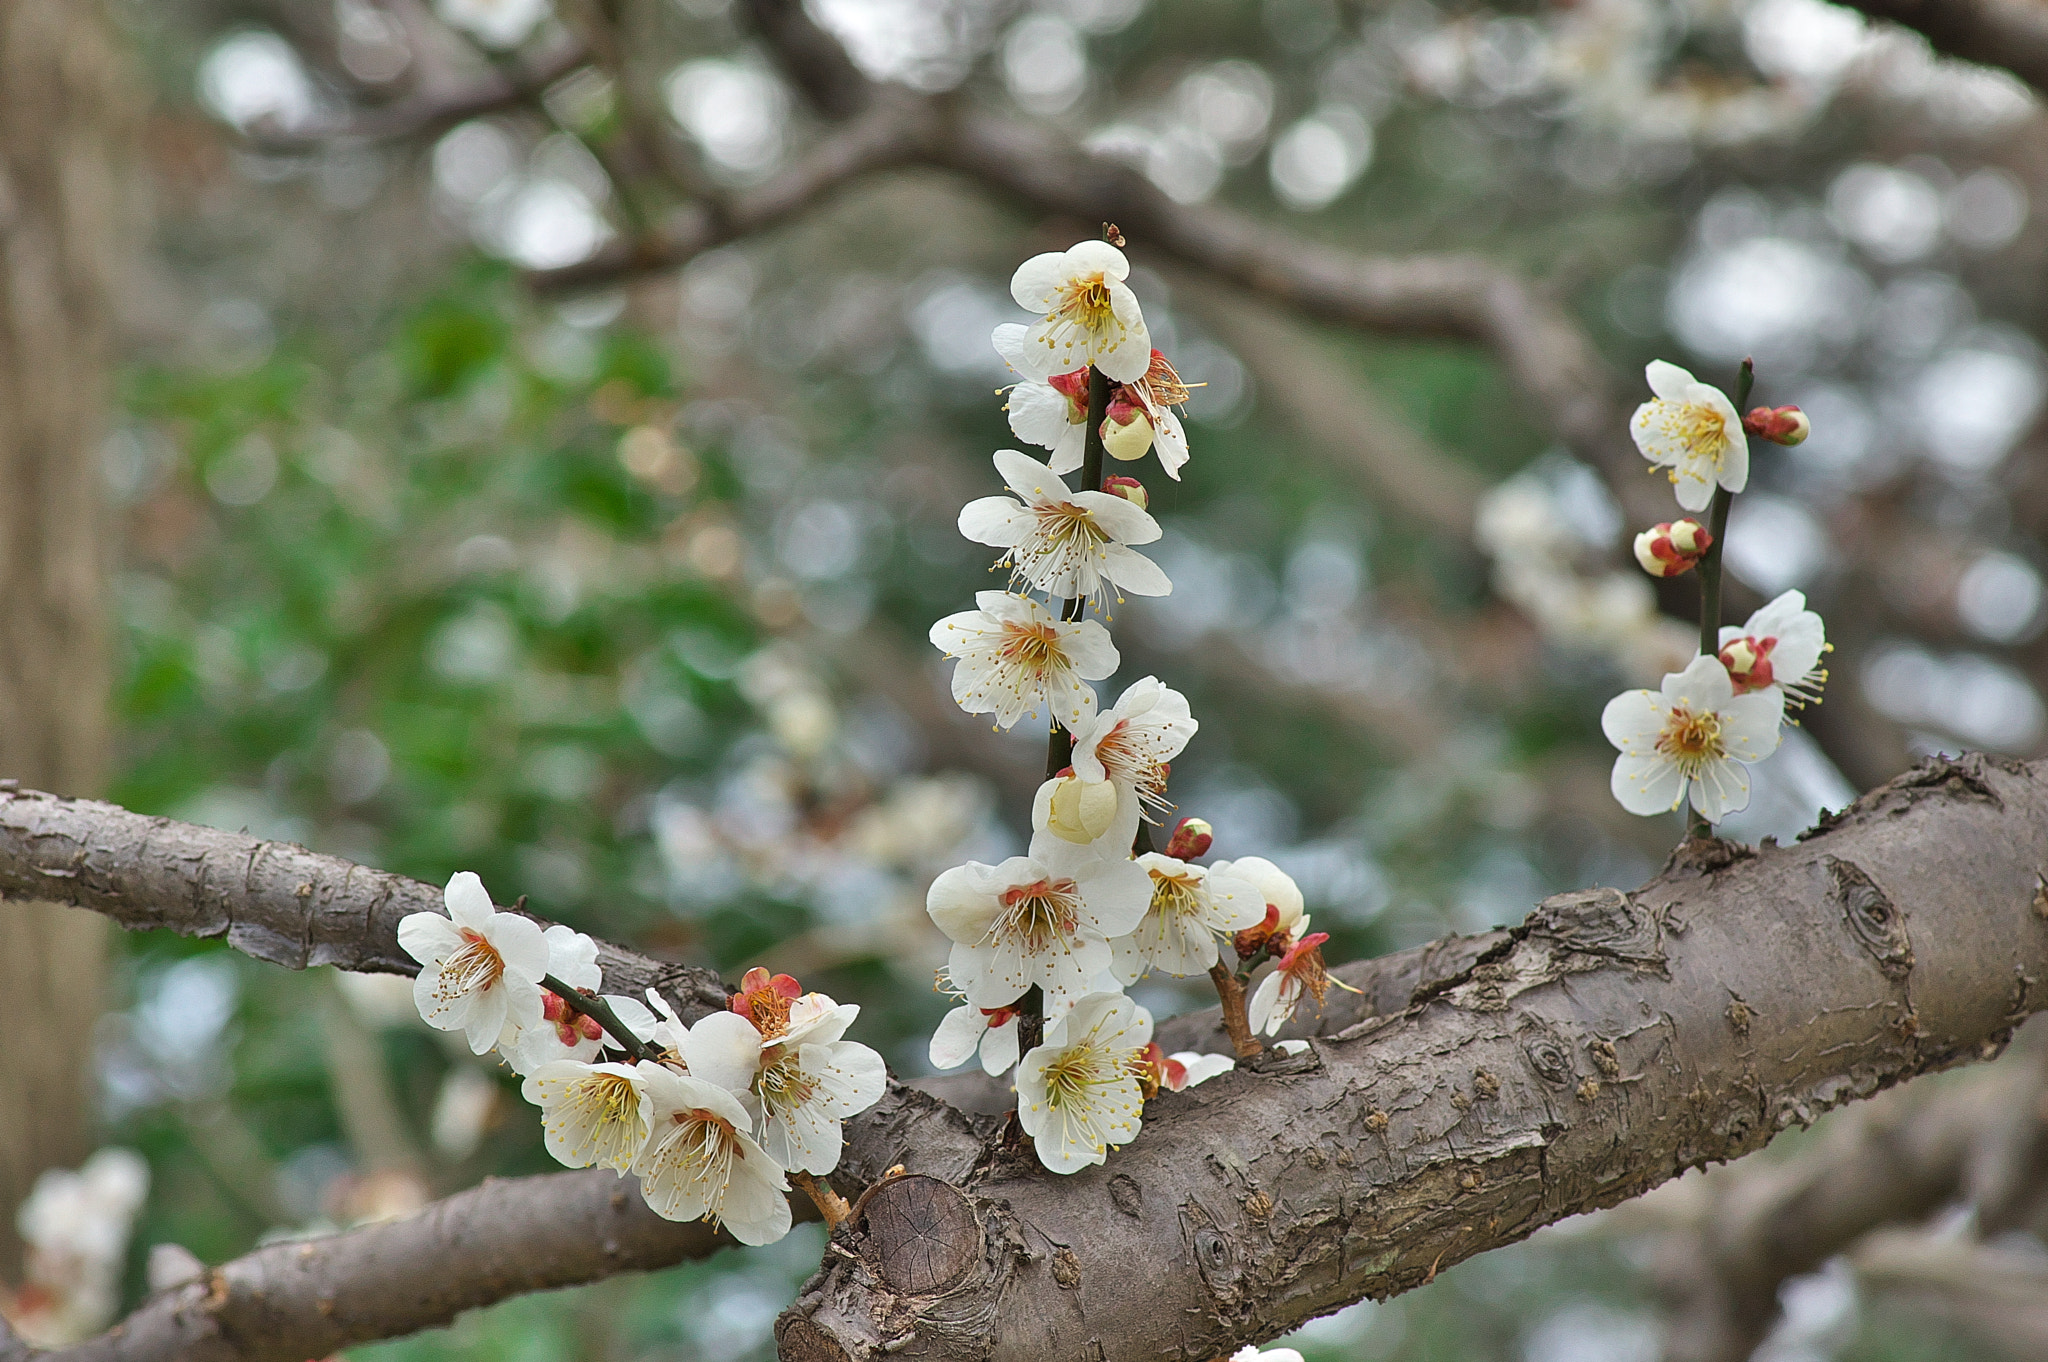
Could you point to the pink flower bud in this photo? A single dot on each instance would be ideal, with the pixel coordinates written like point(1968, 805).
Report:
point(552, 1008)
point(1130, 489)
point(1669, 549)
point(1779, 425)
point(1073, 387)
point(1748, 661)
point(589, 1027)
point(1127, 430)
point(1190, 839)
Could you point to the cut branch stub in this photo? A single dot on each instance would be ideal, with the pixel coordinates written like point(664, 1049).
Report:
point(922, 1235)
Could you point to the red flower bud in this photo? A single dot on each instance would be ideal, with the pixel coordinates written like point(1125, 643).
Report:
point(1671, 548)
point(1130, 489)
point(1190, 839)
point(1748, 661)
point(1779, 425)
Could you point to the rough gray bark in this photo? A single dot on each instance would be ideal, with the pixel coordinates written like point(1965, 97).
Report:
point(305, 1299)
point(65, 107)
point(1610, 1043)
point(275, 901)
point(1481, 1088)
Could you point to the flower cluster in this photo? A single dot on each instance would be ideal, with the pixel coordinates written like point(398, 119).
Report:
point(1045, 943)
point(711, 1118)
point(1692, 740)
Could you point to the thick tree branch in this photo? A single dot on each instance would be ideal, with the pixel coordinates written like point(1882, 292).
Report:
point(311, 1298)
point(275, 901)
point(1480, 1088)
point(1610, 1043)
point(2012, 34)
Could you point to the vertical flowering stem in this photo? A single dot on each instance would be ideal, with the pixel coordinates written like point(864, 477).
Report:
point(830, 1204)
point(1710, 574)
point(1235, 1022)
point(1059, 745)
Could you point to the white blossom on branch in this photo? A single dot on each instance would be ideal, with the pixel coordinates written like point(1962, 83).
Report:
point(480, 969)
point(1086, 313)
point(1078, 1094)
point(1062, 542)
point(1693, 738)
point(1017, 658)
point(1042, 919)
point(1692, 429)
point(1779, 647)
point(700, 1163)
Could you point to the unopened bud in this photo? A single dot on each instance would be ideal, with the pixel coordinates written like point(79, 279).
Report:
point(1779, 425)
point(1190, 839)
point(589, 1028)
point(552, 1008)
point(1073, 809)
point(1669, 549)
point(1130, 489)
point(1126, 430)
point(1073, 387)
point(1748, 661)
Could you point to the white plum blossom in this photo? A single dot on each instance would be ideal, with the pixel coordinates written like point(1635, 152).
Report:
point(1197, 1068)
point(1190, 904)
point(1300, 972)
point(1045, 918)
point(1693, 738)
point(1779, 647)
point(1157, 394)
point(591, 1113)
point(1062, 542)
point(1693, 429)
point(1127, 748)
point(700, 1163)
point(1017, 658)
point(1085, 812)
point(1050, 411)
point(1179, 1071)
point(560, 1032)
point(1276, 888)
point(1078, 1094)
point(967, 1028)
point(1086, 314)
point(797, 1084)
point(480, 968)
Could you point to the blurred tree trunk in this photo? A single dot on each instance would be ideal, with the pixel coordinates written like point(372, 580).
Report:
point(65, 107)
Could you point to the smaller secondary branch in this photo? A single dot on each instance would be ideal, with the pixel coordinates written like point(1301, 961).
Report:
point(600, 1011)
point(1059, 744)
point(832, 1207)
point(428, 115)
point(313, 1297)
point(1235, 1023)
